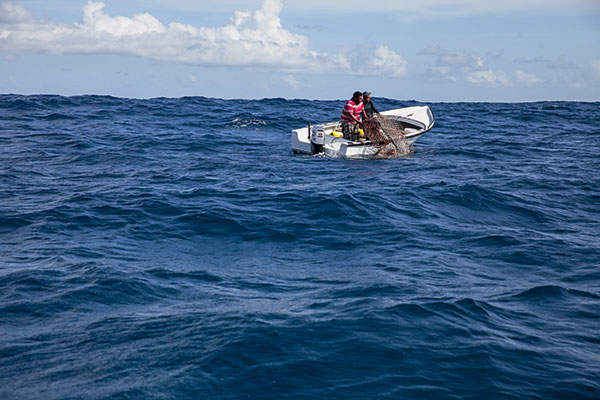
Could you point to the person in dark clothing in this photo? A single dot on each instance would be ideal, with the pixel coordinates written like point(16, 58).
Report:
point(369, 107)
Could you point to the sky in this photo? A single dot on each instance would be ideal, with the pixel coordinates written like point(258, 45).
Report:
point(426, 50)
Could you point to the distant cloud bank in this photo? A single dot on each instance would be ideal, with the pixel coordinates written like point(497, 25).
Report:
point(249, 39)
point(452, 8)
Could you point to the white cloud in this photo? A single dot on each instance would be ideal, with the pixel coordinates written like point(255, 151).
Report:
point(453, 59)
point(488, 77)
point(447, 58)
point(14, 13)
point(95, 20)
point(443, 72)
point(250, 39)
point(384, 61)
point(473, 67)
point(527, 79)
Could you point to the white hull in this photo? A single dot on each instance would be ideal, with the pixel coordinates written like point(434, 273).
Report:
point(417, 120)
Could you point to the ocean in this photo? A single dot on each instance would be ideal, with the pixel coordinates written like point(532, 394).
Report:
point(175, 248)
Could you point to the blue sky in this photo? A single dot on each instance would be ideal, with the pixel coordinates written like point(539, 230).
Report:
point(430, 50)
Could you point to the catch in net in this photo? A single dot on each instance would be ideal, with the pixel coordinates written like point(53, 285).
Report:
point(387, 135)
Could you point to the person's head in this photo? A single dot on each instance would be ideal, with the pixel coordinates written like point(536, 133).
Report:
point(357, 96)
point(366, 96)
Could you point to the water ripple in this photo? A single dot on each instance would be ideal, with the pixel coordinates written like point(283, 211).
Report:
point(176, 248)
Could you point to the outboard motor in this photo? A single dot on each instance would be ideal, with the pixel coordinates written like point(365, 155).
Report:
point(317, 138)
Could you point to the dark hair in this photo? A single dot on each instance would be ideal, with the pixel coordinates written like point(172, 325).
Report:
point(356, 95)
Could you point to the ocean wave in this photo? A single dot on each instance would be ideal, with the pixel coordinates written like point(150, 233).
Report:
point(168, 274)
point(177, 248)
point(57, 117)
point(553, 292)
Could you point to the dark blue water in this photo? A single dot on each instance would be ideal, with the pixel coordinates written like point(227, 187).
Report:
point(176, 248)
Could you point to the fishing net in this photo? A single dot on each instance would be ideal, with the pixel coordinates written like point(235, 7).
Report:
point(387, 135)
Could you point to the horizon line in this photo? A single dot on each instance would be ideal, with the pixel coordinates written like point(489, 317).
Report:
point(297, 98)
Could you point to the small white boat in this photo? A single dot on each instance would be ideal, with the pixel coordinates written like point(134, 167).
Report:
point(327, 138)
